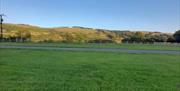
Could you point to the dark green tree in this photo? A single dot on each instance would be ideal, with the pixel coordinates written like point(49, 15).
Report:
point(177, 36)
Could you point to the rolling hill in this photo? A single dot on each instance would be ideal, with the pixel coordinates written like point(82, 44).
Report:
point(61, 34)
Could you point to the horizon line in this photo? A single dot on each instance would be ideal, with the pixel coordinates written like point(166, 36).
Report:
point(131, 30)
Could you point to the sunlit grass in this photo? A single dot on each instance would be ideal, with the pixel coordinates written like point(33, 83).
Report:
point(33, 70)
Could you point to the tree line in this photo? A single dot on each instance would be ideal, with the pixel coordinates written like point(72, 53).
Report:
point(149, 37)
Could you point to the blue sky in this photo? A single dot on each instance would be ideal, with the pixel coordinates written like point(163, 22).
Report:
point(144, 15)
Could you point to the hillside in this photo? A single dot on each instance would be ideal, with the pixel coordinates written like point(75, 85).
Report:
point(22, 32)
point(64, 34)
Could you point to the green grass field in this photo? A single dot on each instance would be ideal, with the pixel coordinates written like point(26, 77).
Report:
point(110, 45)
point(35, 70)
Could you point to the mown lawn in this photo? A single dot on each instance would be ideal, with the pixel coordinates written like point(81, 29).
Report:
point(35, 70)
point(162, 46)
